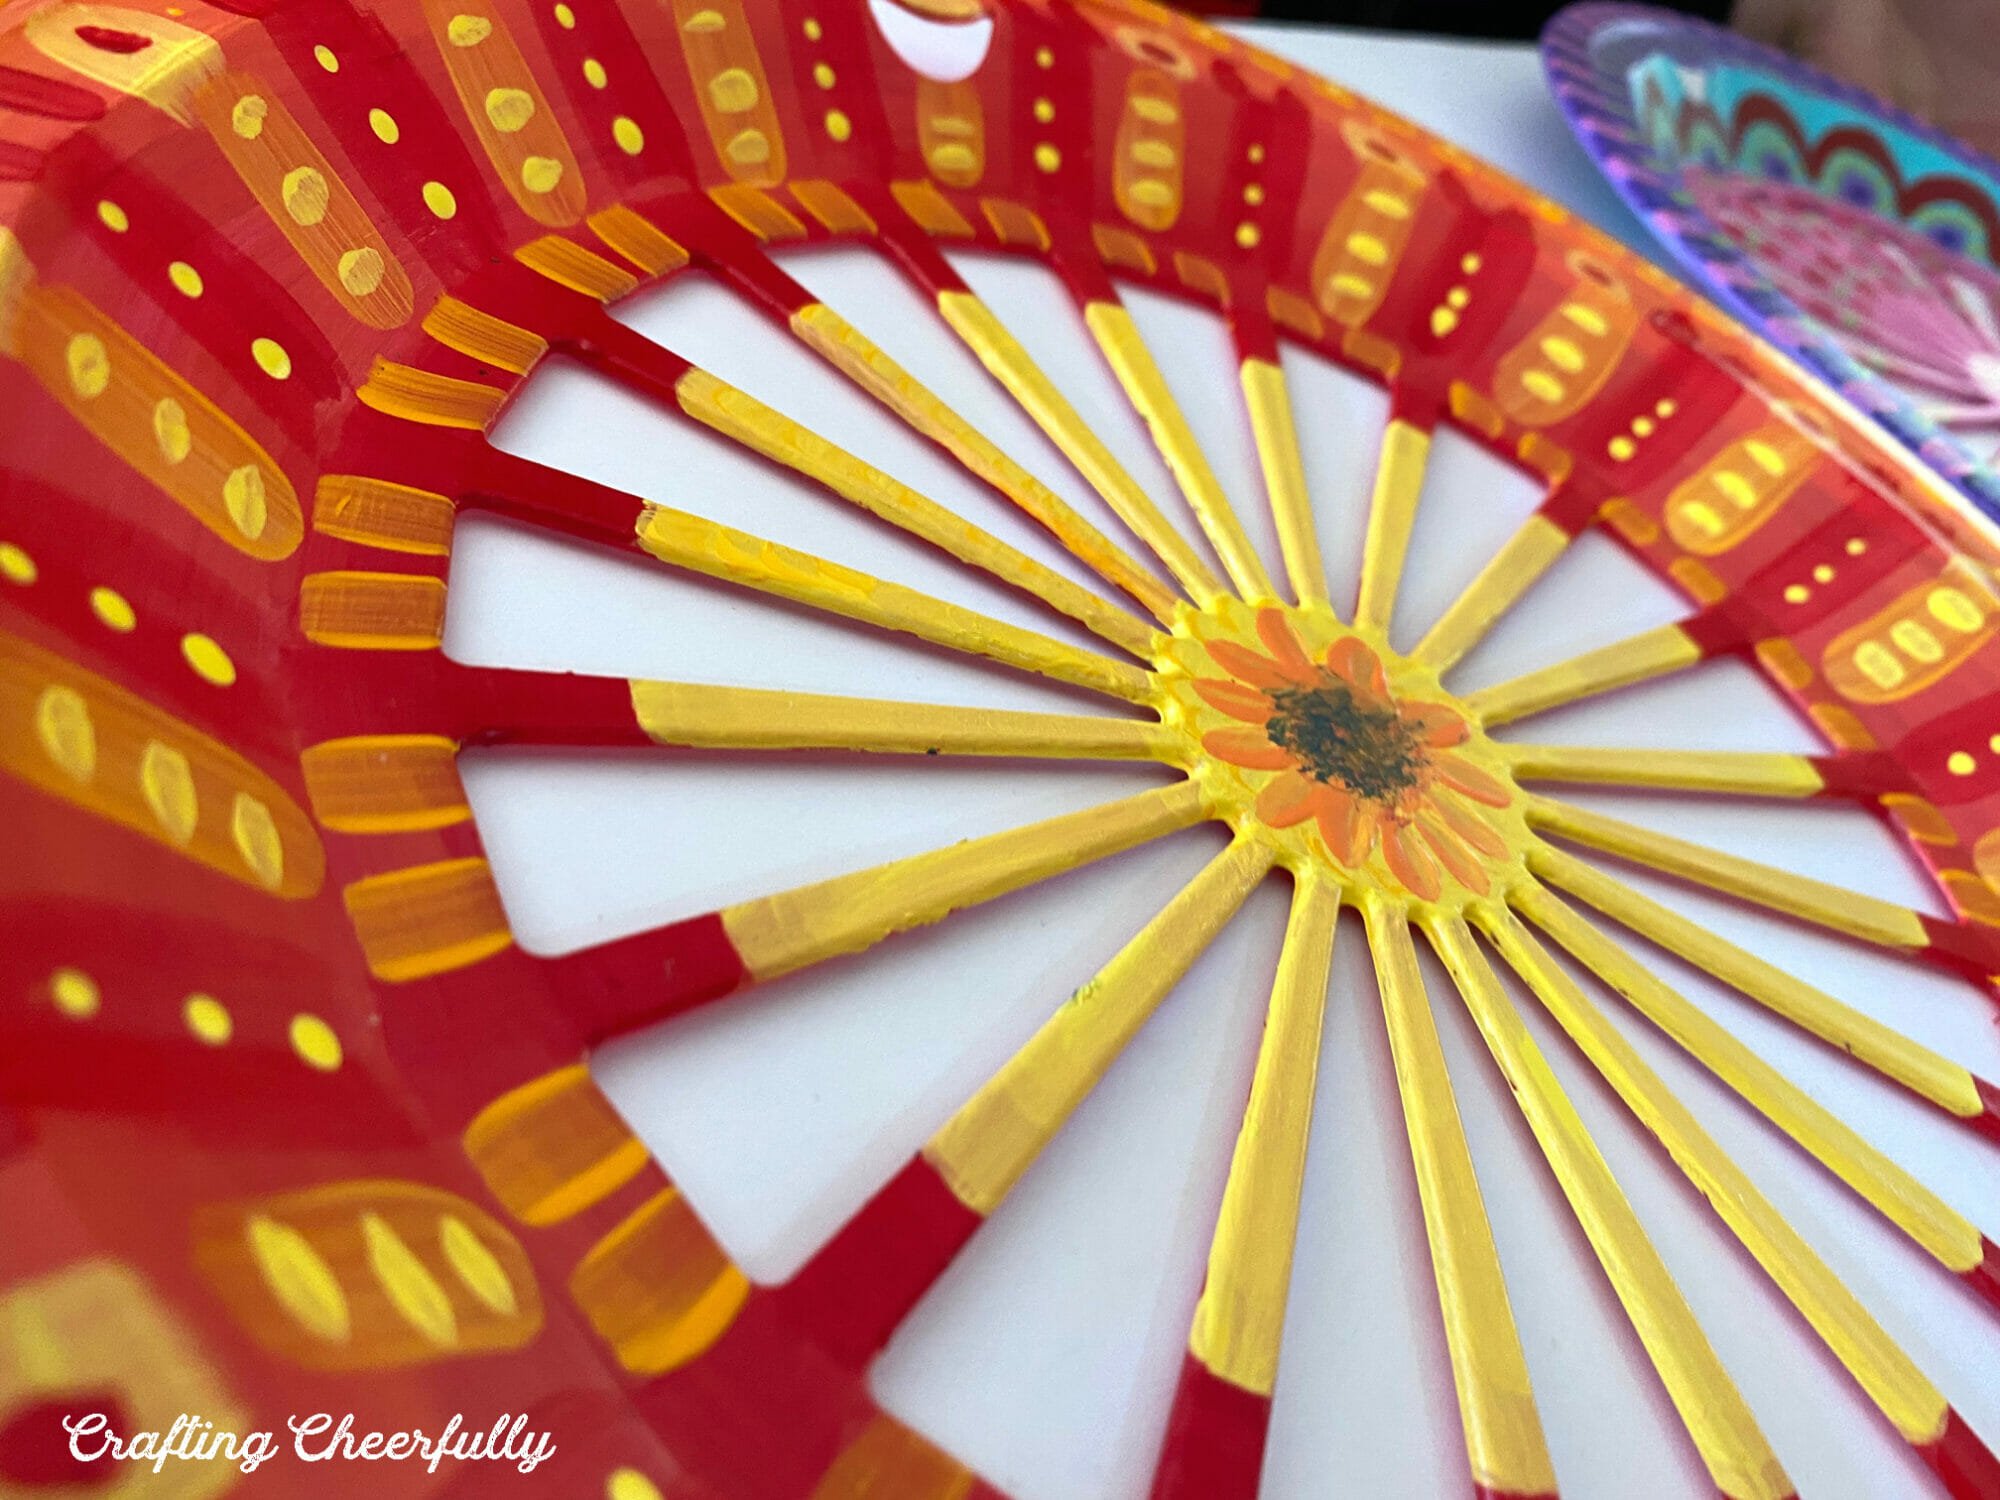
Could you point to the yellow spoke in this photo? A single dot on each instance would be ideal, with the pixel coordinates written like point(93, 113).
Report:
point(982, 1150)
point(778, 934)
point(1399, 483)
point(1010, 364)
point(744, 419)
point(1652, 653)
point(1241, 1315)
point(1893, 1192)
point(1891, 1379)
point(1743, 773)
point(1275, 429)
point(849, 351)
point(1866, 917)
point(1125, 350)
point(733, 718)
point(1716, 1417)
point(1511, 572)
point(1917, 1068)
point(1503, 1431)
point(718, 551)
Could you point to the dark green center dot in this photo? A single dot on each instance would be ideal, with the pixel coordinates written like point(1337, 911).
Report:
point(1342, 740)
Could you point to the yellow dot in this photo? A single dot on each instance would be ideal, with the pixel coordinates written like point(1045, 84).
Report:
point(439, 200)
point(387, 131)
point(1047, 157)
point(210, 662)
point(315, 1042)
point(1458, 297)
point(1443, 321)
point(509, 109)
point(823, 75)
point(814, 31)
point(89, 365)
point(323, 55)
point(1822, 574)
point(255, 833)
point(208, 1019)
point(1642, 427)
point(62, 724)
point(1256, 153)
point(1044, 58)
point(1855, 546)
point(540, 174)
point(1470, 264)
point(468, 31)
point(565, 18)
point(112, 217)
point(630, 1484)
point(361, 270)
point(305, 196)
point(1621, 448)
point(113, 609)
point(1797, 593)
point(171, 431)
point(1045, 110)
point(1665, 409)
point(247, 118)
point(626, 132)
point(16, 566)
point(1961, 764)
point(75, 993)
point(1254, 194)
point(838, 125)
point(1993, 744)
point(1247, 236)
point(593, 73)
point(271, 358)
point(186, 279)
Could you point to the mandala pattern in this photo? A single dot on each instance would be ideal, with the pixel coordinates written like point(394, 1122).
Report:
point(287, 1109)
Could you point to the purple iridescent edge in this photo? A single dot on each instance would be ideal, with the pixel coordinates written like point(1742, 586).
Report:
point(1597, 105)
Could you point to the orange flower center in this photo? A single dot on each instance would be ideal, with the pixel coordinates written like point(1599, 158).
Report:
point(1341, 740)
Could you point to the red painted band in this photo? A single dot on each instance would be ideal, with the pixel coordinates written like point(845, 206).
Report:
point(1214, 1447)
point(1964, 1463)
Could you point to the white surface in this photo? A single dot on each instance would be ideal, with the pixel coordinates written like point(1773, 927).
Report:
point(1047, 1355)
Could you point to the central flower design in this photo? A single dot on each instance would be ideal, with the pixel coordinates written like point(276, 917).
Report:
point(1335, 746)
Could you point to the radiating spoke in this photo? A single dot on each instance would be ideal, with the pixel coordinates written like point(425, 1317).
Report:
point(1215, 1436)
point(850, 352)
point(718, 551)
point(984, 1148)
point(1273, 426)
point(1503, 1431)
point(1945, 1083)
point(732, 718)
point(1866, 917)
point(742, 418)
point(1741, 773)
point(855, 1291)
point(1010, 364)
point(1913, 1208)
point(1890, 1378)
point(1738, 1458)
point(1508, 575)
point(652, 975)
point(1392, 511)
point(1653, 653)
point(1131, 360)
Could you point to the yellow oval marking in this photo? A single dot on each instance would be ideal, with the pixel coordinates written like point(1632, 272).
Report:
point(594, 74)
point(1622, 448)
point(305, 196)
point(323, 55)
point(75, 994)
point(565, 17)
point(1563, 354)
point(186, 279)
point(112, 217)
point(247, 117)
point(89, 364)
point(208, 1019)
point(210, 662)
point(468, 31)
point(476, 1266)
point(1367, 249)
point(313, 1040)
point(1386, 203)
point(1542, 385)
point(1878, 664)
point(1915, 642)
point(1960, 764)
point(626, 132)
point(171, 431)
point(244, 498)
point(62, 724)
point(361, 270)
point(112, 609)
point(255, 833)
point(303, 1283)
point(1589, 319)
point(387, 131)
point(412, 1290)
point(271, 358)
point(1953, 609)
point(540, 174)
point(16, 566)
point(509, 109)
point(439, 200)
point(1443, 321)
point(735, 91)
point(630, 1484)
point(1048, 158)
point(1736, 489)
point(1796, 593)
point(167, 783)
